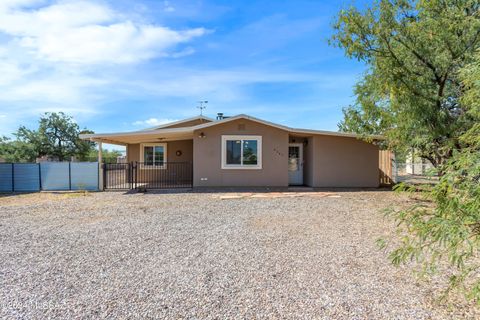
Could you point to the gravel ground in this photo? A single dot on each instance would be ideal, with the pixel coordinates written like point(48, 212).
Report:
point(200, 256)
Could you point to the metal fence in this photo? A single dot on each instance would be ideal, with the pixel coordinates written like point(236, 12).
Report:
point(48, 176)
point(140, 175)
point(414, 173)
point(118, 176)
point(169, 175)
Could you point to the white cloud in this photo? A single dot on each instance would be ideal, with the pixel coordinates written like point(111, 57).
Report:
point(10, 72)
point(185, 52)
point(18, 3)
point(152, 122)
point(225, 85)
point(63, 55)
point(167, 7)
point(74, 56)
point(85, 32)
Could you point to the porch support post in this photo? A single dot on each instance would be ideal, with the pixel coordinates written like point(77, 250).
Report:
point(100, 167)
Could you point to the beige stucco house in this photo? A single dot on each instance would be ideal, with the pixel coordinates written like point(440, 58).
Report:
point(243, 151)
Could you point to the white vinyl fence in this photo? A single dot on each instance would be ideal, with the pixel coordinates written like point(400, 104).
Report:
point(48, 176)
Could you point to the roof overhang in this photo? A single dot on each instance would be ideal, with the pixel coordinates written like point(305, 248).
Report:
point(124, 138)
point(289, 129)
point(183, 133)
point(179, 122)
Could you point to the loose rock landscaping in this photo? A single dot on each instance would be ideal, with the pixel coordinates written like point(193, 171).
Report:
point(207, 256)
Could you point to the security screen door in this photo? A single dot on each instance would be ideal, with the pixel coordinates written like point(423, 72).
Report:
point(295, 164)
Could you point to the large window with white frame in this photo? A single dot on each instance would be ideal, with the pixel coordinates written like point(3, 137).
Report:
point(241, 152)
point(153, 155)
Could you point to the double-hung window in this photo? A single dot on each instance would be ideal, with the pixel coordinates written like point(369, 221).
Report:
point(153, 155)
point(241, 152)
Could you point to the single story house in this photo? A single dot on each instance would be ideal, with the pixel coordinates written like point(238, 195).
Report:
point(244, 151)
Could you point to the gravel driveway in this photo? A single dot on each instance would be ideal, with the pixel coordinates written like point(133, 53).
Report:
point(201, 256)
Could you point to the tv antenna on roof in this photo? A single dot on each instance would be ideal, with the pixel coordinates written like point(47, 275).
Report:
point(202, 106)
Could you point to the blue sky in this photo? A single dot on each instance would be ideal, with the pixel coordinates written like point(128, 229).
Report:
point(125, 65)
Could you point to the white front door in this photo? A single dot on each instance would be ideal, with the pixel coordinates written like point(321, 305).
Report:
point(295, 164)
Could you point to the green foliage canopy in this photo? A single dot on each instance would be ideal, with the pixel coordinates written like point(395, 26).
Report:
point(57, 136)
point(448, 226)
point(422, 91)
point(411, 91)
point(16, 151)
point(108, 156)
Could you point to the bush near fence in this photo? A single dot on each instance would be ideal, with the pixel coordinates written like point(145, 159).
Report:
point(48, 176)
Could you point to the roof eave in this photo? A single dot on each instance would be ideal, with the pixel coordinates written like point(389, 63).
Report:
point(288, 129)
point(190, 130)
point(180, 122)
point(135, 133)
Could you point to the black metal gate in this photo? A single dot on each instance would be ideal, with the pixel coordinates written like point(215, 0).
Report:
point(118, 176)
point(140, 175)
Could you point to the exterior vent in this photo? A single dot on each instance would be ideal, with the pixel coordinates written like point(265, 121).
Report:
point(241, 127)
point(220, 116)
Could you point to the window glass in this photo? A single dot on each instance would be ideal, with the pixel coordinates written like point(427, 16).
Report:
point(234, 149)
point(241, 152)
point(159, 155)
point(148, 155)
point(250, 154)
point(293, 158)
point(293, 152)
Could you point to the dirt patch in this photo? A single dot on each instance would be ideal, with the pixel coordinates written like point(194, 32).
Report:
point(274, 195)
point(38, 198)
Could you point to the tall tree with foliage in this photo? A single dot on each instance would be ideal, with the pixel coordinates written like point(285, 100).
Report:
point(412, 91)
point(16, 151)
point(422, 91)
point(57, 136)
point(108, 156)
point(447, 226)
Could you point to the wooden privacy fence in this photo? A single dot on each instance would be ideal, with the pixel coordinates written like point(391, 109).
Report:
point(385, 164)
point(48, 176)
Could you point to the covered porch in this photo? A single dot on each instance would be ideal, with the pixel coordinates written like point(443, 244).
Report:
point(154, 160)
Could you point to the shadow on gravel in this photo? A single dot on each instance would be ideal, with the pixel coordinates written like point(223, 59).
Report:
point(251, 190)
point(11, 194)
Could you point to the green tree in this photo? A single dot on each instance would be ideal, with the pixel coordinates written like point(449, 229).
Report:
point(447, 226)
point(16, 151)
point(411, 91)
point(108, 156)
point(57, 136)
point(422, 91)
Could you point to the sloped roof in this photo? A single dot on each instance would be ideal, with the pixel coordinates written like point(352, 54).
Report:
point(282, 127)
point(164, 132)
point(180, 122)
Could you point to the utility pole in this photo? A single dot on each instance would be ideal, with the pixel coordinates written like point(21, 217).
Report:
point(202, 106)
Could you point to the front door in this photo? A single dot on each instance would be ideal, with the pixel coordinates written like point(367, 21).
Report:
point(295, 164)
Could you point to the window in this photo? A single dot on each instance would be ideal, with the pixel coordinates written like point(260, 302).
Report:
point(241, 152)
point(153, 155)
